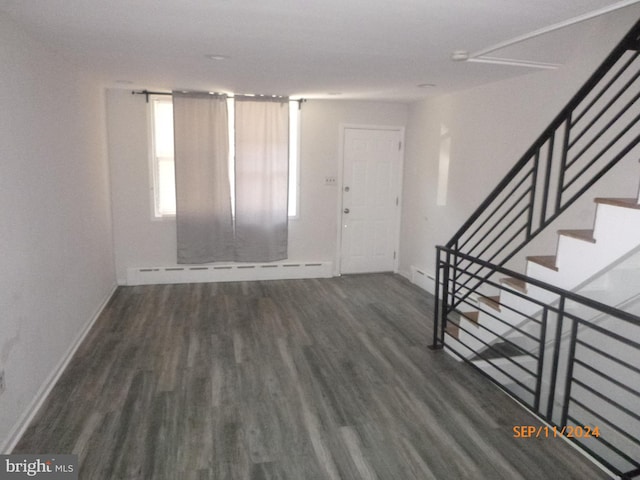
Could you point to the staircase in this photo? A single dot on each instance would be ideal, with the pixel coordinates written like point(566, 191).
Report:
point(562, 338)
point(580, 255)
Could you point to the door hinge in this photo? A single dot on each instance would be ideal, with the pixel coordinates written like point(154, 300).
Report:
point(399, 146)
point(394, 255)
point(397, 201)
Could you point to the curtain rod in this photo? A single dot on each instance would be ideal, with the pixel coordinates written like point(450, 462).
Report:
point(146, 93)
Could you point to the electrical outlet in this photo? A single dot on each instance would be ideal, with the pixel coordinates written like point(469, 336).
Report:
point(2, 384)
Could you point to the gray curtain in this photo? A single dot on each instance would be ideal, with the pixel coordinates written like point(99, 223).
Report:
point(203, 198)
point(261, 178)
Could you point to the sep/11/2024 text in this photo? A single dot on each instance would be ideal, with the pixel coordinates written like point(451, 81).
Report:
point(543, 431)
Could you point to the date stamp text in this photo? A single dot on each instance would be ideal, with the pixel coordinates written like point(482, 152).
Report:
point(545, 431)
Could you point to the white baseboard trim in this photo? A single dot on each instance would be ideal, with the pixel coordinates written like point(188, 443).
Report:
point(233, 272)
point(34, 406)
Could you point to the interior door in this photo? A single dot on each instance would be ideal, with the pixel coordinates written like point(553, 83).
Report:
point(370, 199)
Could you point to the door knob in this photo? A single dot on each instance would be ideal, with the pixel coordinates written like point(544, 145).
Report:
point(346, 210)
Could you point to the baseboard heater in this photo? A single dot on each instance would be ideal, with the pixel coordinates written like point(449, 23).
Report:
point(240, 272)
point(422, 279)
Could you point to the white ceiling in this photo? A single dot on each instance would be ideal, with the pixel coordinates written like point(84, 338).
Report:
point(373, 49)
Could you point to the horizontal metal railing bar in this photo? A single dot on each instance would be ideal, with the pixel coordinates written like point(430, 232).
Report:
point(604, 129)
point(606, 158)
point(605, 88)
point(608, 378)
point(506, 228)
point(524, 227)
point(609, 104)
point(610, 446)
point(602, 420)
point(492, 347)
point(602, 152)
point(539, 303)
point(547, 174)
point(604, 331)
point(495, 210)
point(517, 329)
point(579, 193)
point(599, 458)
point(489, 377)
point(513, 237)
point(589, 302)
point(524, 352)
point(608, 356)
point(478, 354)
point(622, 408)
point(631, 473)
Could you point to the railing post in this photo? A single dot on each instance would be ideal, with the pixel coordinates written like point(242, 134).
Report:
point(541, 353)
point(445, 297)
point(532, 194)
point(569, 377)
point(556, 356)
point(437, 303)
point(547, 180)
point(563, 163)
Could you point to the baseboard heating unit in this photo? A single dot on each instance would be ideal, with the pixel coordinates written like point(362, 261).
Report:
point(422, 279)
point(237, 272)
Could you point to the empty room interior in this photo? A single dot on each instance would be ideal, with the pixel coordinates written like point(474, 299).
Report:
point(321, 240)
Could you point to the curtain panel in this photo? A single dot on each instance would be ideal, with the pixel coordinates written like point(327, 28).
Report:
point(203, 195)
point(261, 178)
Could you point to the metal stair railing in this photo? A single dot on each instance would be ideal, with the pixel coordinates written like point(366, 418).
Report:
point(598, 128)
point(584, 381)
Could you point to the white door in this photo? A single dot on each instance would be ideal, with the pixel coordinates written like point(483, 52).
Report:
point(370, 199)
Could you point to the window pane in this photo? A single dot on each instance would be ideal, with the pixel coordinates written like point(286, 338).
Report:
point(166, 186)
point(294, 124)
point(163, 128)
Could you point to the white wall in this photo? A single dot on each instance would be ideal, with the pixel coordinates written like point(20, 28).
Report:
point(313, 235)
point(140, 241)
point(491, 127)
point(55, 235)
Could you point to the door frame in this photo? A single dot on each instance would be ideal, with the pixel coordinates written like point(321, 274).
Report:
point(396, 244)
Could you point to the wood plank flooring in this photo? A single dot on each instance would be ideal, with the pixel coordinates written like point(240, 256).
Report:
point(300, 380)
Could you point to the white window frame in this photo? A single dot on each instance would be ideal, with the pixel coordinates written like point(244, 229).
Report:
point(294, 158)
point(154, 176)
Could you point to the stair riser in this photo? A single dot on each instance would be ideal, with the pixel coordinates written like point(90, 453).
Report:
point(616, 233)
point(614, 224)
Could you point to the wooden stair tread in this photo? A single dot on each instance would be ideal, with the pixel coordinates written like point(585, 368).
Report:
point(619, 202)
point(586, 235)
point(472, 317)
point(452, 329)
point(514, 283)
point(548, 261)
point(493, 302)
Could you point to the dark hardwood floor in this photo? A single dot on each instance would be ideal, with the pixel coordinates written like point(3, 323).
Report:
point(303, 379)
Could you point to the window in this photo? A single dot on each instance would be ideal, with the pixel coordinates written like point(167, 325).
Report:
point(162, 164)
point(162, 171)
